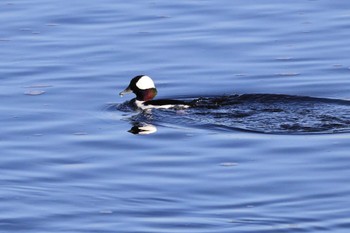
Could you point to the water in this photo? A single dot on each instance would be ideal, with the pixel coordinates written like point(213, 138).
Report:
point(69, 164)
point(264, 113)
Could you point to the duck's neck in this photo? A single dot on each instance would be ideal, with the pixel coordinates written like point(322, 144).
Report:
point(146, 95)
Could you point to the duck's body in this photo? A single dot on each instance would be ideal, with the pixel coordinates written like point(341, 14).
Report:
point(144, 89)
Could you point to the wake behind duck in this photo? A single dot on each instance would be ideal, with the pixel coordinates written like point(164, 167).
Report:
point(264, 113)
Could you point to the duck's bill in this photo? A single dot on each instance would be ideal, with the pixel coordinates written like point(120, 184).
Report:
point(126, 91)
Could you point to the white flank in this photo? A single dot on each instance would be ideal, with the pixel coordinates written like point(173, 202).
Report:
point(140, 105)
point(145, 82)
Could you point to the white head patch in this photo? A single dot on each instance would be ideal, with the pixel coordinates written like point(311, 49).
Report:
point(145, 82)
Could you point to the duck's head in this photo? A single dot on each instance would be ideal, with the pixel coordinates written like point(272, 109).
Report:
point(142, 86)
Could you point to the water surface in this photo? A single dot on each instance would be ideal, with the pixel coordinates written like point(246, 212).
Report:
point(69, 164)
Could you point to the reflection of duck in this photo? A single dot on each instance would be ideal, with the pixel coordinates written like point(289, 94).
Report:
point(142, 128)
point(144, 89)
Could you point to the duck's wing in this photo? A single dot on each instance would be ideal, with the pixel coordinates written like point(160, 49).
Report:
point(165, 102)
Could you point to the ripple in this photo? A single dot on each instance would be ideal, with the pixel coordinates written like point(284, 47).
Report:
point(261, 113)
point(34, 92)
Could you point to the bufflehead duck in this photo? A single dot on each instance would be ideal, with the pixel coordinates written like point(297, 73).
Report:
point(144, 89)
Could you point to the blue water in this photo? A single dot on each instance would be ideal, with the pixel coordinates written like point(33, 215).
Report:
point(69, 164)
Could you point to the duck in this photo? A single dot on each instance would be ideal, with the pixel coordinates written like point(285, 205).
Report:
point(145, 90)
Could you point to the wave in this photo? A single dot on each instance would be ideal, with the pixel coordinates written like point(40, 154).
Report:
point(261, 113)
